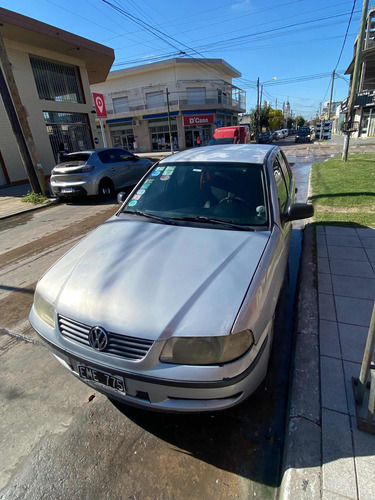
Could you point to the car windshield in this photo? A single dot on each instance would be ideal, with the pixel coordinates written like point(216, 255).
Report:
point(222, 140)
point(202, 192)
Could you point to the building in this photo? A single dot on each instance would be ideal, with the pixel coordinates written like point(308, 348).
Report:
point(53, 70)
point(201, 97)
point(365, 99)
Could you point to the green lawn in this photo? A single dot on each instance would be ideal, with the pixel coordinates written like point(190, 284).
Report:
point(345, 192)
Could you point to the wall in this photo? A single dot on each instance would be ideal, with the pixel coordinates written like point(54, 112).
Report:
point(19, 57)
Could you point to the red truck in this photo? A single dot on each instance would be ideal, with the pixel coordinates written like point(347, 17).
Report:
point(238, 134)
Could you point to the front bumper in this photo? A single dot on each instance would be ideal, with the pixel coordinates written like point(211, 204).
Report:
point(168, 394)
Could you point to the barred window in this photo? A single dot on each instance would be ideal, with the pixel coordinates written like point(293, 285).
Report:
point(56, 82)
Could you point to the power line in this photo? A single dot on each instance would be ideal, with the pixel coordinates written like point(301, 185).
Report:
point(346, 35)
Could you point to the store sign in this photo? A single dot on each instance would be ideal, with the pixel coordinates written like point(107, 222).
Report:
point(198, 120)
point(101, 111)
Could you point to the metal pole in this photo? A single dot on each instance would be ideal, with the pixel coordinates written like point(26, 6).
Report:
point(104, 137)
point(23, 122)
point(355, 78)
point(330, 97)
point(366, 362)
point(169, 122)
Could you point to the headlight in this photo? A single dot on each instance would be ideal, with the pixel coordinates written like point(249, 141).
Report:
point(206, 350)
point(308, 135)
point(44, 309)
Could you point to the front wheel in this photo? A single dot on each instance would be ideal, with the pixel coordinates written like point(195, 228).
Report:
point(106, 189)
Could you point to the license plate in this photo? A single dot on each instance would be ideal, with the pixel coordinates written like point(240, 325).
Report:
point(106, 379)
point(67, 190)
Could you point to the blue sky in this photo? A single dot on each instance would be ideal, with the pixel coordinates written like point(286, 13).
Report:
point(295, 40)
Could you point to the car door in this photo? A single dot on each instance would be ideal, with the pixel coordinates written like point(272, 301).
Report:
point(109, 168)
point(130, 168)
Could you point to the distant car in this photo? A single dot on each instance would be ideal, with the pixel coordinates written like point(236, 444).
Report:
point(304, 134)
point(265, 138)
point(170, 304)
point(280, 134)
point(97, 172)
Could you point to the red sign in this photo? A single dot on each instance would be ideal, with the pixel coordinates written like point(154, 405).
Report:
point(198, 120)
point(101, 112)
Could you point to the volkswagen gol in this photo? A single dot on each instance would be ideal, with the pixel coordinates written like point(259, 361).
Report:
point(169, 305)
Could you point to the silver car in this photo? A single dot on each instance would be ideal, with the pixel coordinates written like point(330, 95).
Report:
point(169, 305)
point(97, 172)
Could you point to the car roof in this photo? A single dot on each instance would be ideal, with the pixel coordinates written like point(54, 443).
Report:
point(91, 151)
point(236, 153)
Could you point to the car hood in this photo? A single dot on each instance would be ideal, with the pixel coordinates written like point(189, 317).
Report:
point(153, 280)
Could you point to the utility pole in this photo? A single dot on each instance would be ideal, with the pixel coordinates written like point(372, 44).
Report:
point(257, 114)
point(169, 122)
point(20, 126)
point(330, 97)
point(355, 79)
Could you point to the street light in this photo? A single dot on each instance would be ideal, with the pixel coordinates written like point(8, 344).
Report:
point(259, 102)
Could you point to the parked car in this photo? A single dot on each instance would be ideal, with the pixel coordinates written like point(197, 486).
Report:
point(97, 172)
point(170, 304)
point(265, 138)
point(280, 134)
point(275, 136)
point(304, 134)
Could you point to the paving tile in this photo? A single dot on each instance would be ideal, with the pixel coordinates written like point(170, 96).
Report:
point(344, 241)
point(341, 231)
point(364, 452)
point(353, 341)
point(371, 254)
point(330, 495)
point(333, 384)
point(347, 253)
point(357, 268)
point(338, 462)
point(323, 265)
point(350, 286)
point(353, 311)
point(322, 251)
point(351, 370)
point(325, 283)
point(364, 232)
point(368, 242)
point(329, 339)
point(327, 307)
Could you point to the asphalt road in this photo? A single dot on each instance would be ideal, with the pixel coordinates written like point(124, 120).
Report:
point(56, 441)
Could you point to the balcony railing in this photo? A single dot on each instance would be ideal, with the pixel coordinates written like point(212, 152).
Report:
point(234, 99)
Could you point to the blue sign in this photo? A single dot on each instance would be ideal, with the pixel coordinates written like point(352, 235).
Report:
point(96, 140)
point(219, 122)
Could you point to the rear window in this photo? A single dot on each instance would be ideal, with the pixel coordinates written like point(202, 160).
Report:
point(74, 158)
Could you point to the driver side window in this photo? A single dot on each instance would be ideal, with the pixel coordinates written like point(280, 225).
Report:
point(282, 192)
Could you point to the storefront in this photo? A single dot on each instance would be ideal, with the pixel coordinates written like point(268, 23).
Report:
point(368, 122)
point(198, 129)
point(159, 132)
point(122, 135)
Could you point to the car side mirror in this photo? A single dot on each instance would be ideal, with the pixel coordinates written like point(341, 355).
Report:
point(121, 197)
point(298, 211)
point(135, 158)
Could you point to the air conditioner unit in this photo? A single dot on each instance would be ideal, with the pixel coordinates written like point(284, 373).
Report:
point(136, 122)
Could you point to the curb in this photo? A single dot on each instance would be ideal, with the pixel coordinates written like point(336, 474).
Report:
point(302, 456)
point(32, 209)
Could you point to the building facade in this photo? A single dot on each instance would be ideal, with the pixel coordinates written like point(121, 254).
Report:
point(365, 99)
point(53, 70)
point(199, 92)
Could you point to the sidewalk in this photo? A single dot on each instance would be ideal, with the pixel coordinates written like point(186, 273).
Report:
point(325, 455)
point(11, 201)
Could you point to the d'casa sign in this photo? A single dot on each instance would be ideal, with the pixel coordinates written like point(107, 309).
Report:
point(198, 120)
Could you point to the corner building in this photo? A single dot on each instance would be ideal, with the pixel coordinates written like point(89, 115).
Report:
point(201, 97)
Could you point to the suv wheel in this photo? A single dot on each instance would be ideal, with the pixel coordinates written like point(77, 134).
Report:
point(106, 189)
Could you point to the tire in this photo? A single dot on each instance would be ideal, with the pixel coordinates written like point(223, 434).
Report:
point(106, 190)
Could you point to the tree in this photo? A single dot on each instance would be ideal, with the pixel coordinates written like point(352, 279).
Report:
point(300, 121)
point(264, 117)
point(275, 118)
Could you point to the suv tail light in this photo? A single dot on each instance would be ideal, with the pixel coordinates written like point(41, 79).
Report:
point(85, 168)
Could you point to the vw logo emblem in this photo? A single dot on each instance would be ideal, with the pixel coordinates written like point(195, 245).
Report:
point(98, 338)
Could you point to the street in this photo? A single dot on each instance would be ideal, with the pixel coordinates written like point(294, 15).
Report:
point(61, 439)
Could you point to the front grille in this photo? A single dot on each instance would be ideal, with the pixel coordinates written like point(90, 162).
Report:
point(119, 345)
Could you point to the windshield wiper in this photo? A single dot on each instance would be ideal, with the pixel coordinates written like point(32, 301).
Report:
point(164, 220)
point(229, 223)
